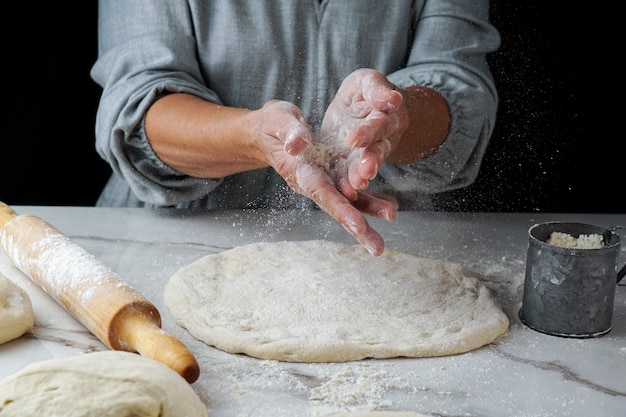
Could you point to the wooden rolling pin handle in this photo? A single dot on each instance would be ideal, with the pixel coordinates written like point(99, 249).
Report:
point(96, 296)
point(139, 334)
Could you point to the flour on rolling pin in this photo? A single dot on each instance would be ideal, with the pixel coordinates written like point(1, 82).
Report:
point(89, 290)
point(43, 252)
point(65, 264)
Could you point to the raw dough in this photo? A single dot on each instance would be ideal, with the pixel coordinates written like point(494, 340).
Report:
point(16, 311)
point(103, 384)
point(321, 301)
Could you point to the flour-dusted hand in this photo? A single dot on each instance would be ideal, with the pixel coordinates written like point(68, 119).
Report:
point(306, 166)
point(367, 119)
point(361, 127)
point(308, 177)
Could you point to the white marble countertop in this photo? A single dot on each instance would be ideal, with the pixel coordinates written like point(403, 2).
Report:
point(524, 373)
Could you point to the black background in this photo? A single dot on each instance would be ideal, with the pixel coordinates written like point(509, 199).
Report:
point(554, 148)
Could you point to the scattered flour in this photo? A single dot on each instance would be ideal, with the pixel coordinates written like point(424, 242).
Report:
point(358, 386)
point(591, 241)
point(352, 386)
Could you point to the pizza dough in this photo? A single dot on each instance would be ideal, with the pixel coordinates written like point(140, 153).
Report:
point(321, 301)
point(16, 311)
point(103, 384)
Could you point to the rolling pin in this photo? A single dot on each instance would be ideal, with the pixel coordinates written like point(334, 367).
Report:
point(96, 296)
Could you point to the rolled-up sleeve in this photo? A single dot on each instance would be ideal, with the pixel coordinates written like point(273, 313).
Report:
point(137, 64)
point(451, 42)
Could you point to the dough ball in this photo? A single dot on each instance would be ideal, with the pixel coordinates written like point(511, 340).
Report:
point(103, 384)
point(322, 301)
point(16, 311)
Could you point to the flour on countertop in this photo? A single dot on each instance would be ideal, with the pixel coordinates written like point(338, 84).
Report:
point(352, 386)
point(358, 386)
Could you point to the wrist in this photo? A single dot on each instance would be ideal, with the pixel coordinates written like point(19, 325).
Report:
point(428, 124)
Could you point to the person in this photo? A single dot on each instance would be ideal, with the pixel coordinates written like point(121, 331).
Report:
point(359, 107)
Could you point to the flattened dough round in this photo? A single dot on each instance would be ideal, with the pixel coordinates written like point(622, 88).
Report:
point(322, 301)
point(16, 311)
point(103, 384)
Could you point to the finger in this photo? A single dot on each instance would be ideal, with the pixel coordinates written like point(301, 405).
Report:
point(364, 166)
point(286, 122)
point(368, 131)
point(347, 189)
point(297, 140)
point(297, 137)
point(370, 239)
point(381, 93)
point(321, 190)
point(372, 158)
point(352, 177)
point(377, 205)
point(355, 224)
point(353, 220)
point(385, 98)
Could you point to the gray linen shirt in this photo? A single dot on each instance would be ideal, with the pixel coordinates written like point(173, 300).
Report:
point(246, 52)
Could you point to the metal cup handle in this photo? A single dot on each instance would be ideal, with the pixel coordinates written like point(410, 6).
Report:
point(621, 272)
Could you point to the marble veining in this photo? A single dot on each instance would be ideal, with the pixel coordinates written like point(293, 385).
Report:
point(566, 374)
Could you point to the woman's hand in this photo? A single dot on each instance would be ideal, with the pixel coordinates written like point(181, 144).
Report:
point(366, 119)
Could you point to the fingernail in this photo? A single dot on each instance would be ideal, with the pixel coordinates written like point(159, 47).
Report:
point(374, 171)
